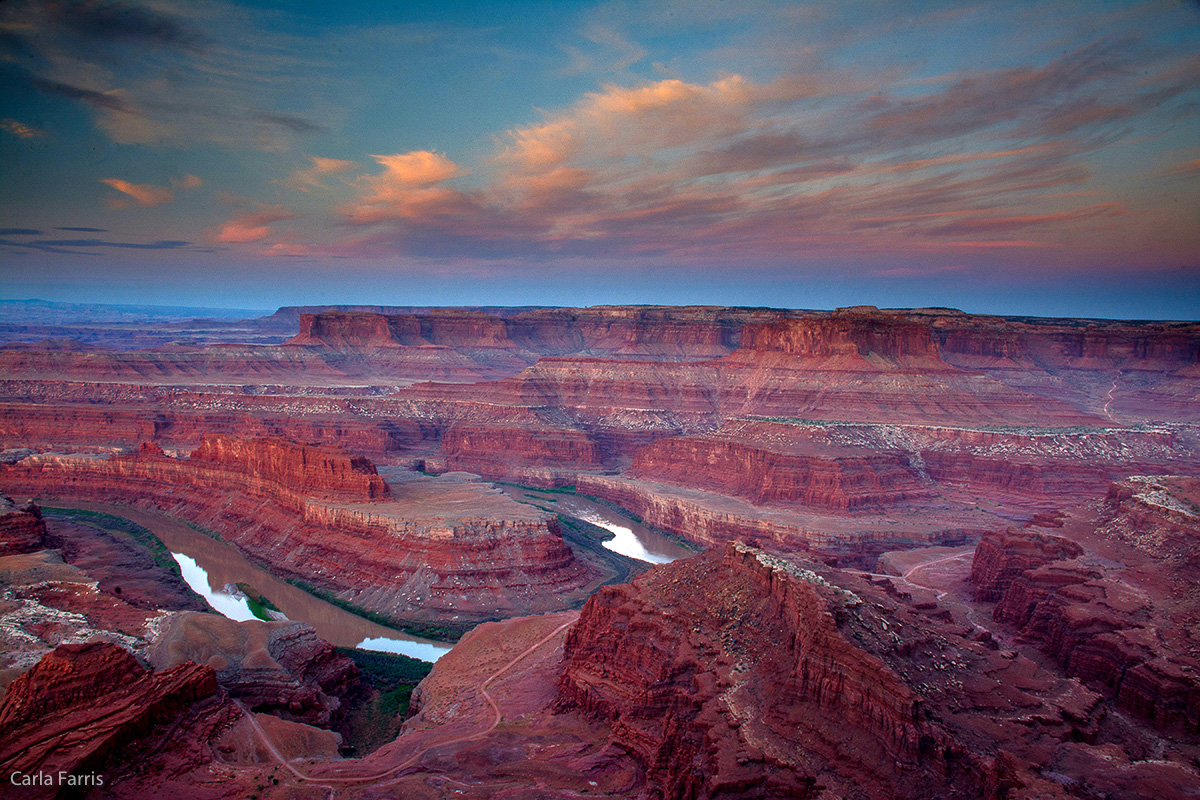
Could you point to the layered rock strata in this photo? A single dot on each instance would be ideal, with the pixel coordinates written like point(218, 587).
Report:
point(1120, 614)
point(282, 668)
point(742, 674)
point(326, 518)
point(21, 527)
point(85, 705)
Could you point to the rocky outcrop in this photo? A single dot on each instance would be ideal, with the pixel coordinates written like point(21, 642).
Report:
point(1008, 475)
point(742, 674)
point(678, 683)
point(84, 704)
point(852, 338)
point(710, 519)
point(1122, 622)
point(500, 450)
point(1003, 556)
point(282, 668)
point(21, 527)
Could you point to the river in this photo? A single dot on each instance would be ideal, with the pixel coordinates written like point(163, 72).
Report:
point(209, 565)
point(630, 537)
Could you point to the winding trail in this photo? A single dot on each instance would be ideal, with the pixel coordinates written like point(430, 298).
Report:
point(1109, 398)
point(324, 781)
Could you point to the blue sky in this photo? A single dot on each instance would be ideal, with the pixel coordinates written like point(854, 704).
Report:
point(1026, 157)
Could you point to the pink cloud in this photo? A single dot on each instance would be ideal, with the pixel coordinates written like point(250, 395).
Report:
point(407, 189)
point(305, 180)
point(252, 227)
point(21, 130)
point(148, 195)
point(142, 194)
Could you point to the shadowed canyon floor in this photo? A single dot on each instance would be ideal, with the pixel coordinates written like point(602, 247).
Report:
point(943, 555)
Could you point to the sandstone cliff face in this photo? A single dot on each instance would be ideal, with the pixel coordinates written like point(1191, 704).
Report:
point(629, 332)
point(678, 683)
point(709, 520)
point(741, 674)
point(499, 450)
point(82, 704)
point(852, 339)
point(21, 527)
point(771, 464)
point(314, 471)
point(1002, 557)
point(1085, 344)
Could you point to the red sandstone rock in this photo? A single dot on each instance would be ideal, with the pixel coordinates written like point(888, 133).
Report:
point(81, 704)
point(21, 527)
point(740, 674)
point(315, 471)
point(780, 464)
point(1124, 623)
point(1003, 556)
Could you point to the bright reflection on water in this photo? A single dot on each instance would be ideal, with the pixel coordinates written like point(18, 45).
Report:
point(624, 541)
point(235, 608)
point(420, 650)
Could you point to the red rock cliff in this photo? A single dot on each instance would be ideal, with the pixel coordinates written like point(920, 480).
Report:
point(21, 527)
point(313, 470)
point(716, 672)
point(83, 703)
point(480, 557)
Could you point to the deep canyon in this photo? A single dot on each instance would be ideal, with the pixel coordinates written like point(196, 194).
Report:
point(900, 553)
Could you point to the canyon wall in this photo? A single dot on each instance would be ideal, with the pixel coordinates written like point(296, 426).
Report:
point(1109, 598)
point(738, 673)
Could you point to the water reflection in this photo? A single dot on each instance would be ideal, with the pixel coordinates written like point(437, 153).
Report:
point(232, 606)
point(631, 538)
point(624, 541)
point(425, 651)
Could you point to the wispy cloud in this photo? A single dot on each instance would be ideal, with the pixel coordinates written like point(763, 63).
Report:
point(21, 130)
point(147, 195)
point(84, 246)
point(253, 226)
point(313, 177)
point(157, 73)
point(816, 162)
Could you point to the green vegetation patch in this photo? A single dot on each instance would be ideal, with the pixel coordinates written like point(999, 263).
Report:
point(385, 670)
point(258, 602)
point(442, 631)
point(389, 678)
point(143, 536)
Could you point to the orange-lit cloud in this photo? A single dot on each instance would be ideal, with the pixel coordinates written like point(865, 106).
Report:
point(21, 130)
point(142, 194)
point(252, 227)
point(407, 189)
point(306, 180)
point(622, 121)
point(148, 195)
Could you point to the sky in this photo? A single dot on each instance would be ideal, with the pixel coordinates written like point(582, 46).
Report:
point(1027, 157)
